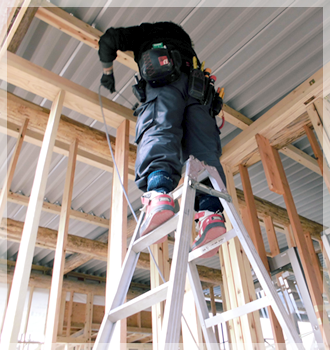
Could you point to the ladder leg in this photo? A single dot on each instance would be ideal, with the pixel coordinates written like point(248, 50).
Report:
point(106, 329)
point(173, 309)
point(203, 312)
point(256, 262)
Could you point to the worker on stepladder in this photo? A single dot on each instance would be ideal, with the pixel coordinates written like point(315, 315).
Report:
point(176, 119)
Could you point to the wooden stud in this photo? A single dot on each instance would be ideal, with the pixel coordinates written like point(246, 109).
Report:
point(69, 316)
point(11, 9)
point(27, 318)
point(25, 256)
point(11, 168)
point(314, 116)
point(60, 252)
point(289, 236)
point(214, 312)
point(257, 239)
point(270, 170)
point(325, 171)
point(271, 235)
point(89, 318)
point(62, 313)
point(315, 292)
point(118, 227)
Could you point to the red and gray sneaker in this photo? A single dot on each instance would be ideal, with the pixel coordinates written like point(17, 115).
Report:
point(159, 207)
point(210, 226)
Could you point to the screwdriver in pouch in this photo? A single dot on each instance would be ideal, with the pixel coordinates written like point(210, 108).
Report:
point(210, 89)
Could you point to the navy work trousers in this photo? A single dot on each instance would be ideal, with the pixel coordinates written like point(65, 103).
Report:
point(171, 126)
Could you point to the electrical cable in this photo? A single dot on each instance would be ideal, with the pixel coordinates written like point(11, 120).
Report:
point(129, 203)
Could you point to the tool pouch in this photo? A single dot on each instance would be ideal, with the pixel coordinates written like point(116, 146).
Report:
point(217, 104)
point(139, 90)
point(196, 87)
point(160, 67)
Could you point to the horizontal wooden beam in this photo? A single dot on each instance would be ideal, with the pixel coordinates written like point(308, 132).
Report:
point(278, 124)
point(93, 148)
point(42, 82)
point(11, 230)
point(81, 31)
point(280, 215)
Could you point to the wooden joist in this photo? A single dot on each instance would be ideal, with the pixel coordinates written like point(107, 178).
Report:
point(42, 82)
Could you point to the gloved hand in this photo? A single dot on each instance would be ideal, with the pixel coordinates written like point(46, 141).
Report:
point(108, 81)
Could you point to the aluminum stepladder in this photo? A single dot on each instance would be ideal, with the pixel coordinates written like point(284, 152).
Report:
point(183, 263)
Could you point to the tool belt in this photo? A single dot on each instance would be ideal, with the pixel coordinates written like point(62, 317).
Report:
point(159, 66)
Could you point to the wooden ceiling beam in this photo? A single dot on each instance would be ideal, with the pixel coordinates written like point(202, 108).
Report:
point(42, 82)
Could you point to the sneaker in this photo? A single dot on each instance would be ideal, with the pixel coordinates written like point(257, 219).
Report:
point(209, 225)
point(159, 207)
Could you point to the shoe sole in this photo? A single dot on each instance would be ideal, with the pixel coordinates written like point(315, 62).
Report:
point(155, 220)
point(207, 237)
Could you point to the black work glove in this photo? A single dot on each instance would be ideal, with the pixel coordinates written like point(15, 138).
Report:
point(108, 81)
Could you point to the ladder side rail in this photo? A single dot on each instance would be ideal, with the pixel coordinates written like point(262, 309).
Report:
point(170, 334)
point(201, 306)
point(106, 329)
point(256, 262)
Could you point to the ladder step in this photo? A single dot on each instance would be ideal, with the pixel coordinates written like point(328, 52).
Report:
point(155, 235)
point(139, 303)
point(238, 312)
point(211, 245)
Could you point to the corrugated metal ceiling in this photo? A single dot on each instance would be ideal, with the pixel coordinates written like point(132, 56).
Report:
point(258, 54)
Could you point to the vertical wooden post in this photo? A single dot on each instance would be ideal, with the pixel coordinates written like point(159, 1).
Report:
point(238, 283)
point(271, 235)
point(314, 116)
point(62, 312)
point(88, 318)
point(69, 315)
point(12, 167)
point(59, 259)
point(256, 236)
point(24, 260)
point(214, 312)
point(289, 236)
point(118, 226)
point(28, 313)
point(266, 151)
point(318, 155)
point(160, 253)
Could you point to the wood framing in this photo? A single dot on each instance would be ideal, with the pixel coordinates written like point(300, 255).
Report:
point(256, 236)
point(60, 251)
point(319, 156)
point(315, 116)
point(44, 83)
point(93, 148)
point(11, 168)
point(214, 312)
point(271, 235)
point(279, 124)
point(25, 256)
point(14, 27)
point(118, 227)
point(315, 292)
